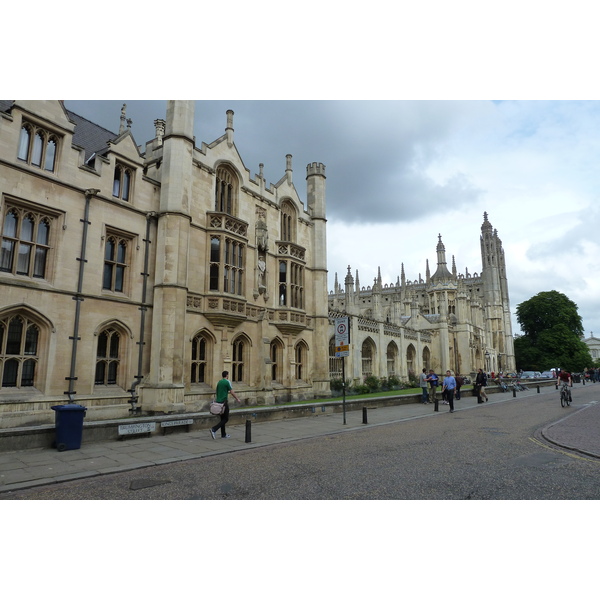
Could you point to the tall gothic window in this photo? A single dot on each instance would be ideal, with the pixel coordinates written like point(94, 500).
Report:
point(115, 263)
point(367, 353)
point(107, 357)
point(122, 182)
point(38, 147)
point(225, 191)
point(226, 271)
point(18, 351)
point(237, 359)
point(300, 355)
point(276, 361)
point(25, 242)
point(335, 362)
point(288, 222)
point(201, 356)
point(291, 284)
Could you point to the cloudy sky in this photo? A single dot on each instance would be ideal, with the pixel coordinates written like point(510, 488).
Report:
point(399, 105)
point(401, 172)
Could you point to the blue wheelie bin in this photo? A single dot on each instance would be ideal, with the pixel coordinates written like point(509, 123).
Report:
point(69, 426)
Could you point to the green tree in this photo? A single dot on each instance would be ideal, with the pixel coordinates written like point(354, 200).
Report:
point(552, 331)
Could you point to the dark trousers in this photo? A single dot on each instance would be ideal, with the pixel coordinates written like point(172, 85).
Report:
point(224, 418)
point(450, 398)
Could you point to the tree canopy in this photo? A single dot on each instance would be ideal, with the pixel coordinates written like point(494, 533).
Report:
point(552, 331)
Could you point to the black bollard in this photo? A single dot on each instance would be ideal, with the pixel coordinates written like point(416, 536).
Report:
point(514, 393)
point(248, 432)
point(436, 408)
point(538, 388)
point(364, 415)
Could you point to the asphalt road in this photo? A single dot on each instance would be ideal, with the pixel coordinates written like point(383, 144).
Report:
point(496, 453)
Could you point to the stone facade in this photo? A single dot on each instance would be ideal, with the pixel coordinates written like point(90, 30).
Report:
point(447, 321)
point(132, 278)
point(593, 344)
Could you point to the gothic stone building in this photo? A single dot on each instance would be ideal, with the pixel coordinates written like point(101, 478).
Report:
point(131, 274)
point(447, 321)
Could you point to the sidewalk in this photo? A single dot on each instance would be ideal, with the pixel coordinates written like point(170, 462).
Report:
point(29, 468)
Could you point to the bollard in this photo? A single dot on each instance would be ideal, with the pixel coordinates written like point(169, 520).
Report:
point(248, 432)
point(364, 415)
point(538, 388)
point(435, 408)
point(514, 393)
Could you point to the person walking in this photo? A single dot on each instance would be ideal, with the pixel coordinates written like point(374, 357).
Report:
point(459, 383)
point(432, 378)
point(423, 385)
point(449, 387)
point(481, 382)
point(222, 395)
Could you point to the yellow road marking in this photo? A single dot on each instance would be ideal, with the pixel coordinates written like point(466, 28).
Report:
point(594, 460)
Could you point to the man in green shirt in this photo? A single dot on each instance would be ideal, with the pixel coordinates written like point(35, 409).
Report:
point(222, 395)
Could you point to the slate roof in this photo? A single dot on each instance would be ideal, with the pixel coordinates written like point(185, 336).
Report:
point(93, 138)
point(88, 135)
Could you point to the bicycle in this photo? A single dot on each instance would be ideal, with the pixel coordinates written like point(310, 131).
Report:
point(565, 395)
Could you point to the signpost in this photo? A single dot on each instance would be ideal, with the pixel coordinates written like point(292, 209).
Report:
point(342, 349)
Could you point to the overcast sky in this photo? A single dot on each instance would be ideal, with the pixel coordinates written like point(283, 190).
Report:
point(431, 160)
point(401, 172)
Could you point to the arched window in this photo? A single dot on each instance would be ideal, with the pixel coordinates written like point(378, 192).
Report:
point(24, 242)
point(108, 357)
point(288, 222)
point(225, 191)
point(410, 359)
point(122, 182)
point(115, 263)
point(301, 354)
point(335, 362)
point(201, 359)
point(238, 356)
point(368, 356)
point(392, 356)
point(19, 340)
point(426, 358)
point(38, 147)
point(276, 355)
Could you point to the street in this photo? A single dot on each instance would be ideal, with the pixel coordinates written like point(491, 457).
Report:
point(495, 453)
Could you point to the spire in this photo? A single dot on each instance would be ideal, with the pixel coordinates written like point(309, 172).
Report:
point(357, 283)
point(442, 270)
point(402, 275)
point(123, 119)
point(348, 281)
point(453, 266)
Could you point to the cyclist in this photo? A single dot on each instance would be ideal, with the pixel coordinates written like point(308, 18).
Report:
point(564, 379)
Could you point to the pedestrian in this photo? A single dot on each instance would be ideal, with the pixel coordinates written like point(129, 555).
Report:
point(433, 383)
point(423, 385)
point(459, 383)
point(222, 394)
point(449, 387)
point(481, 382)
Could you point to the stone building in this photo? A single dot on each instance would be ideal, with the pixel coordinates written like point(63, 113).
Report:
point(445, 321)
point(131, 277)
point(593, 344)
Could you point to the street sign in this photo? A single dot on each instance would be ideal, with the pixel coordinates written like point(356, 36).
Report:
point(343, 350)
point(342, 331)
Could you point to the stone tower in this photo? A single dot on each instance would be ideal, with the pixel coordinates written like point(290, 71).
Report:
point(164, 386)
